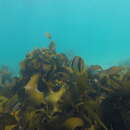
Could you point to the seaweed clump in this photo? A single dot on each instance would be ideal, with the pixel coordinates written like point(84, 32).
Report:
point(55, 92)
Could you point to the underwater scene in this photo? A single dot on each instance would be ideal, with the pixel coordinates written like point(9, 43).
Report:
point(64, 65)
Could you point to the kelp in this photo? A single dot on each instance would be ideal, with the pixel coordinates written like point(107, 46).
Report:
point(56, 92)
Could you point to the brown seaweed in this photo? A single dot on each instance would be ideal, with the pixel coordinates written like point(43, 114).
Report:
point(56, 92)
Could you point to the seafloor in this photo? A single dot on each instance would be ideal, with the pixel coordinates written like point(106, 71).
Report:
point(57, 92)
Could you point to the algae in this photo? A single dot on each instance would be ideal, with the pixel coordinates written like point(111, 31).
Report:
point(56, 92)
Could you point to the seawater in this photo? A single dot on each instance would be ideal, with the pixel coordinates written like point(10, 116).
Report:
point(97, 30)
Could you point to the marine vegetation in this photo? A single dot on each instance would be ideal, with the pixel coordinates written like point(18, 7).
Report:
point(55, 92)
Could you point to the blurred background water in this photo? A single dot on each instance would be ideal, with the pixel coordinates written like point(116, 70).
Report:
point(97, 30)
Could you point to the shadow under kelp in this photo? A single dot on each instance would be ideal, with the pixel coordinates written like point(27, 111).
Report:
point(116, 110)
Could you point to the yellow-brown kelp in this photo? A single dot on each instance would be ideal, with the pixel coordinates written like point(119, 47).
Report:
point(3, 101)
point(48, 35)
point(55, 92)
point(55, 97)
point(32, 91)
point(73, 122)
